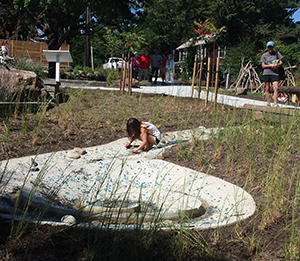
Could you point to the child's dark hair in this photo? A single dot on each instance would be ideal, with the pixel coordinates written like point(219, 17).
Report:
point(133, 128)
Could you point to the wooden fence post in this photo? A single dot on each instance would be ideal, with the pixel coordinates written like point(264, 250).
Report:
point(121, 78)
point(207, 81)
point(129, 76)
point(216, 82)
point(194, 72)
point(124, 77)
point(200, 76)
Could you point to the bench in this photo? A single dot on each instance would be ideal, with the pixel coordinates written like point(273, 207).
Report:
point(294, 90)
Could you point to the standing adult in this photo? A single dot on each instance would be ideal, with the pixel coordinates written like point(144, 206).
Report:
point(135, 65)
point(5, 54)
point(170, 66)
point(163, 68)
point(156, 63)
point(145, 65)
point(271, 60)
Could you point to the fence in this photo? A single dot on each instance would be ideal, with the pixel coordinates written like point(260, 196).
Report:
point(20, 49)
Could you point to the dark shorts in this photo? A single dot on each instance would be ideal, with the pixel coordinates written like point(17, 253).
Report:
point(270, 78)
point(157, 141)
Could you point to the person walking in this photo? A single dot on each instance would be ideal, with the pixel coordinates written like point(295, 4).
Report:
point(270, 61)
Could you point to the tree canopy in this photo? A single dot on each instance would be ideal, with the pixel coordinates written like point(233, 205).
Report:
point(163, 24)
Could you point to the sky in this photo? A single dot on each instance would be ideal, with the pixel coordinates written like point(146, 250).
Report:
point(296, 16)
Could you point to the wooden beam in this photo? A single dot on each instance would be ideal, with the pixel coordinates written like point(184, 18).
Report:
point(270, 109)
point(288, 89)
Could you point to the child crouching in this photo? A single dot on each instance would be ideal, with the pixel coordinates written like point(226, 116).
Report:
point(144, 131)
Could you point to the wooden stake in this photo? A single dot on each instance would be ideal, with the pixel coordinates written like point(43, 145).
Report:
point(130, 77)
point(216, 82)
point(12, 48)
point(194, 72)
point(121, 78)
point(124, 77)
point(200, 76)
point(207, 81)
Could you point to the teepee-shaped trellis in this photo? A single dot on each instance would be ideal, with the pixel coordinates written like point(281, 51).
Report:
point(289, 77)
point(247, 78)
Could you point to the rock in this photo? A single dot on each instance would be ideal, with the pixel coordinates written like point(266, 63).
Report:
point(21, 85)
point(145, 83)
point(68, 219)
point(258, 115)
point(241, 91)
point(134, 82)
point(72, 154)
point(80, 151)
point(28, 61)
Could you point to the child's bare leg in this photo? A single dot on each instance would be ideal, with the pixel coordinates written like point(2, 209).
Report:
point(150, 142)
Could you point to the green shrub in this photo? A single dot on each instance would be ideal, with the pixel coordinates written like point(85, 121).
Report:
point(87, 70)
point(29, 65)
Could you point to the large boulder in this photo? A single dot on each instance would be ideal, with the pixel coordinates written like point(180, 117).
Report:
point(21, 85)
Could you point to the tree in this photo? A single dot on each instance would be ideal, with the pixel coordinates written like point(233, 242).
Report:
point(168, 23)
point(251, 24)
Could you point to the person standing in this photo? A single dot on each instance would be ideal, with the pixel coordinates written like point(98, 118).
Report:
point(156, 62)
point(5, 54)
point(163, 69)
point(271, 60)
point(170, 66)
point(145, 66)
point(135, 65)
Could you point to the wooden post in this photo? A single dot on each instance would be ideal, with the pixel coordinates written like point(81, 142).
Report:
point(216, 82)
point(200, 76)
point(121, 78)
point(124, 77)
point(12, 48)
point(194, 72)
point(207, 81)
point(129, 76)
point(41, 53)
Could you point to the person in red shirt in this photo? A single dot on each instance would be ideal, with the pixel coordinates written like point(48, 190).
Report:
point(145, 65)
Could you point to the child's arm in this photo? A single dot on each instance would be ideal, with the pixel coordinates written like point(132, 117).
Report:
point(129, 143)
point(143, 138)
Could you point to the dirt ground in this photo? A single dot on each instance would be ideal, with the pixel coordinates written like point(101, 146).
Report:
point(48, 243)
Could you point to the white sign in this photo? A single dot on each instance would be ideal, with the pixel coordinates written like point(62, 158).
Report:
point(58, 56)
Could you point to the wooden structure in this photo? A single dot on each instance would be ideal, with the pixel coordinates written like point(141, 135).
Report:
point(247, 78)
point(20, 49)
point(285, 111)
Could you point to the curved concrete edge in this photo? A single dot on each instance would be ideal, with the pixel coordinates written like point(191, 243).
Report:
point(110, 171)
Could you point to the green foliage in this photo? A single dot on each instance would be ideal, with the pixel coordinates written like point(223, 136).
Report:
point(247, 49)
point(77, 69)
point(87, 70)
point(133, 41)
point(25, 65)
point(188, 61)
point(112, 43)
point(112, 76)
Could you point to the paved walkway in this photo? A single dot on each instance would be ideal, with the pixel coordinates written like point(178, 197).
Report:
point(185, 91)
point(123, 188)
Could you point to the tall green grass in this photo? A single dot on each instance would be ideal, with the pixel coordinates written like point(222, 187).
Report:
point(261, 155)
